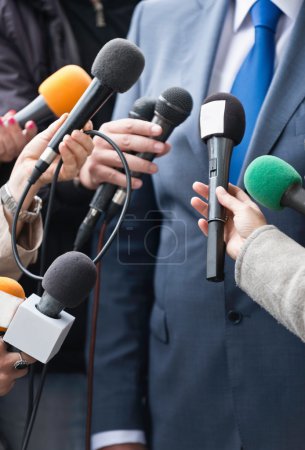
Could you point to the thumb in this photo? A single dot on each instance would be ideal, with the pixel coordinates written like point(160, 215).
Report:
point(49, 132)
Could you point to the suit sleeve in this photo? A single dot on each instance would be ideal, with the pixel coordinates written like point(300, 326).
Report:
point(271, 270)
point(126, 298)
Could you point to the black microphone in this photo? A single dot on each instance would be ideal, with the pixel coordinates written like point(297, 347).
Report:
point(222, 122)
point(173, 107)
point(116, 68)
point(40, 326)
point(142, 109)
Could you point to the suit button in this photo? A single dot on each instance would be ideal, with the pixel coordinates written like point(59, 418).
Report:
point(235, 317)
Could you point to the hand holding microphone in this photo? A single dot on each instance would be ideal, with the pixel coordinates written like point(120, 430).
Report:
point(222, 123)
point(13, 365)
point(243, 215)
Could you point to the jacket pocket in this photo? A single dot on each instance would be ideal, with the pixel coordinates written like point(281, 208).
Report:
point(158, 324)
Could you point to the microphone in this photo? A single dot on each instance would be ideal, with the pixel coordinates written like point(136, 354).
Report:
point(142, 109)
point(275, 184)
point(11, 296)
point(40, 325)
point(58, 94)
point(173, 107)
point(222, 122)
point(116, 68)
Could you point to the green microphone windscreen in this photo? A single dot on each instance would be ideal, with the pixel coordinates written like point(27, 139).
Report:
point(267, 178)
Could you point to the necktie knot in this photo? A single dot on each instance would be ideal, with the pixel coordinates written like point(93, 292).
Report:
point(265, 14)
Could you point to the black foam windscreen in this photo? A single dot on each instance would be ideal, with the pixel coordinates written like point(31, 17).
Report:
point(118, 65)
point(143, 108)
point(175, 105)
point(70, 278)
point(234, 117)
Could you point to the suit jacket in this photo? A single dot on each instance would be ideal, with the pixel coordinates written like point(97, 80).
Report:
point(222, 373)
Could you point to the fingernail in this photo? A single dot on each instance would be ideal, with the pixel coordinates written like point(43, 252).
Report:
point(11, 111)
point(220, 189)
point(156, 129)
point(12, 120)
point(31, 125)
point(1, 122)
point(159, 147)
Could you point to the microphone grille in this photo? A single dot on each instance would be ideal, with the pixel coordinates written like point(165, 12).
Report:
point(70, 278)
point(267, 178)
point(118, 65)
point(174, 105)
point(222, 115)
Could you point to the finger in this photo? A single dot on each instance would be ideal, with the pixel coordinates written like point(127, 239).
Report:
point(238, 193)
point(135, 143)
point(3, 347)
point(16, 134)
point(203, 225)
point(8, 150)
point(83, 140)
point(111, 158)
point(109, 175)
point(132, 126)
point(30, 130)
point(228, 201)
point(88, 126)
point(200, 206)
point(9, 114)
point(201, 189)
point(70, 167)
point(48, 133)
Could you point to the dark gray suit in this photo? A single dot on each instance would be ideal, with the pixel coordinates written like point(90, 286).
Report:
point(222, 373)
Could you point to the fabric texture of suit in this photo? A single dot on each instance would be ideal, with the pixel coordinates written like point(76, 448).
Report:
point(222, 373)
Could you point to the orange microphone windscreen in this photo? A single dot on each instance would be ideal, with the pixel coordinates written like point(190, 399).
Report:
point(12, 287)
point(63, 89)
point(9, 304)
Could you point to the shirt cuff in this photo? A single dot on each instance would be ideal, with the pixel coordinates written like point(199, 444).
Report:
point(105, 438)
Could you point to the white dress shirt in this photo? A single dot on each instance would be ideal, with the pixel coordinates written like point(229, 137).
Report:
point(236, 40)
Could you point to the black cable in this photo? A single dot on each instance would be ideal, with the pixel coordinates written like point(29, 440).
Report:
point(128, 192)
point(34, 406)
point(31, 375)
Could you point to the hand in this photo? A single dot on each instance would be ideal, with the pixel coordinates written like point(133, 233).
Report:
point(130, 135)
point(12, 137)
point(125, 447)
point(74, 151)
point(8, 373)
point(244, 216)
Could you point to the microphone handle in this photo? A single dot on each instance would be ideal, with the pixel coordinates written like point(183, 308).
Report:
point(37, 110)
point(294, 198)
point(219, 151)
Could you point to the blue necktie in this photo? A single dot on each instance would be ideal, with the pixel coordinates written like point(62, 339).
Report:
point(254, 77)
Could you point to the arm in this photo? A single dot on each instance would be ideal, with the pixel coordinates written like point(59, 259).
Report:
point(270, 267)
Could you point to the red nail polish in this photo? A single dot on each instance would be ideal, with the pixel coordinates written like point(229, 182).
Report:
point(1, 122)
point(12, 120)
point(31, 125)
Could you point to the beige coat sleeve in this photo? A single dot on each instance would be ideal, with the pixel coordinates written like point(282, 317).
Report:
point(271, 270)
point(29, 241)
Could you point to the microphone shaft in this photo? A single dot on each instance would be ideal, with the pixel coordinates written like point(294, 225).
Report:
point(294, 197)
point(219, 151)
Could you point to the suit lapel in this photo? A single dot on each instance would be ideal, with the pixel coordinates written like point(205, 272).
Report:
point(201, 32)
point(286, 92)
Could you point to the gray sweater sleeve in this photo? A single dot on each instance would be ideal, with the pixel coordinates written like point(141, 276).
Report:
point(271, 270)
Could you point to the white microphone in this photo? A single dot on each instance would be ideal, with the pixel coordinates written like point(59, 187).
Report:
point(40, 326)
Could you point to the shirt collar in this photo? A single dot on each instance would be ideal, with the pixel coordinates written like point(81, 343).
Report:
point(242, 7)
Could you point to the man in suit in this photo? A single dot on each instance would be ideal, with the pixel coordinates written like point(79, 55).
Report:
point(222, 373)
